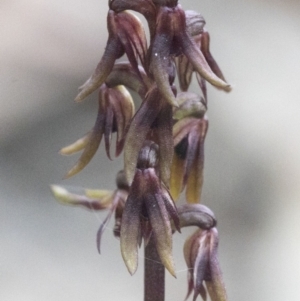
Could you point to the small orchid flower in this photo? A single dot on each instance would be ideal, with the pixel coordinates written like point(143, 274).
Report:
point(119, 198)
point(195, 26)
point(188, 160)
point(172, 38)
point(96, 200)
point(188, 133)
point(200, 252)
point(91, 199)
point(144, 7)
point(114, 114)
point(152, 120)
point(126, 35)
point(149, 210)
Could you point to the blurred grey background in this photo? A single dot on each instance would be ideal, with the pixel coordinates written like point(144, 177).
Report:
point(48, 251)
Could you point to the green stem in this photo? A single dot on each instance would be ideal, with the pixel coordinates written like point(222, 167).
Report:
point(154, 278)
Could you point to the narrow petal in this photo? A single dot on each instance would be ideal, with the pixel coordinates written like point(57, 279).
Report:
point(195, 179)
point(138, 130)
point(202, 292)
point(159, 68)
point(201, 263)
point(118, 215)
point(190, 251)
point(130, 230)
point(182, 128)
point(189, 262)
point(165, 141)
point(195, 174)
point(185, 71)
point(118, 122)
point(130, 50)
point(159, 219)
point(127, 107)
point(144, 7)
point(123, 109)
point(112, 52)
point(196, 254)
point(205, 40)
point(96, 193)
point(161, 230)
point(114, 204)
point(132, 35)
point(109, 118)
point(171, 207)
point(130, 227)
point(199, 62)
point(202, 85)
point(192, 152)
point(215, 287)
point(77, 146)
point(67, 198)
point(160, 62)
point(91, 147)
point(146, 231)
point(172, 210)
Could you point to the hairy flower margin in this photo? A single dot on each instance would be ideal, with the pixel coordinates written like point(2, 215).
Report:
point(163, 141)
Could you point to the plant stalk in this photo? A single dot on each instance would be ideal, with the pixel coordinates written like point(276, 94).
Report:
point(154, 277)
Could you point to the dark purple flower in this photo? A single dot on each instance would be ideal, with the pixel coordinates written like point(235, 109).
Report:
point(195, 26)
point(172, 39)
point(115, 111)
point(200, 252)
point(152, 121)
point(126, 35)
point(149, 210)
point(189, 133)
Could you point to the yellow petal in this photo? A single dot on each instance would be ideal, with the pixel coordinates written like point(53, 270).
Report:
point(97, 193)
point(77, 146)
point(62, 194)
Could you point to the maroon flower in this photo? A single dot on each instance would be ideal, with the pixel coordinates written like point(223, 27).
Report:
point(126, 35)
point(172, 39)
point(188, 160)
point(144, 7)
point(96, 200)
point(114, 114)
point(200, 252)
point(149, 210)
point(152, 121)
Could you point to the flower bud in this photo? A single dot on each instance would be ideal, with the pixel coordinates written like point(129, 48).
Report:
point(194, 22)
point(190, 105)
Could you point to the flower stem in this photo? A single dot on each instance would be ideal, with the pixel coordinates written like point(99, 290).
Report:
point(154, 278)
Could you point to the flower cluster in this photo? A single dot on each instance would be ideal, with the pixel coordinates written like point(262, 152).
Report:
point(162, 142)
